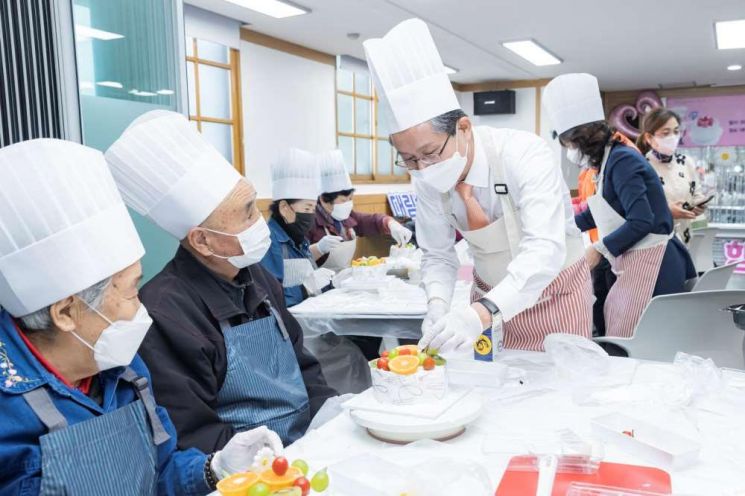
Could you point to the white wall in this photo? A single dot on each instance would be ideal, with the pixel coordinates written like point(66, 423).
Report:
point(288, 101)
point(523, 118)
point(209, 26)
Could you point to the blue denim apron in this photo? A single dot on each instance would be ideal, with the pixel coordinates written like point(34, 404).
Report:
point(115, 453)
point(263, 384)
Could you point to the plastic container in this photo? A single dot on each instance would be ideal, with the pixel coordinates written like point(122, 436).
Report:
point(470, 372)
point(648, 441)
point(586, 489)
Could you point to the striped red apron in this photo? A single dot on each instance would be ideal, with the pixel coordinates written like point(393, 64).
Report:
point(564, 306)
point(636, 273)
point(636, 269)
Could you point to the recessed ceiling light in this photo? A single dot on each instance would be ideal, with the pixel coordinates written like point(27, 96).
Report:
point(85, 33)
point(278, 9)
point(450, 70)
point(532, 52)
point(730, 34)
point(110, 84)
point(734, 67)
point(166, 92)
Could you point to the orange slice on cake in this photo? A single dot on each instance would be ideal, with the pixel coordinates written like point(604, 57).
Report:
point(276, 482)
point(237, 484)
point(404, 364)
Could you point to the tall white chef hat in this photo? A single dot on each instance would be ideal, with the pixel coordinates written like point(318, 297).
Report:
point(334, 175)
point(63, 225)
point(168, 172)
point(409, 75)
point(572, 100)
point(295, 175)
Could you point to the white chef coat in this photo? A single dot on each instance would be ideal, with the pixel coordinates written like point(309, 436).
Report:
point(540, 195)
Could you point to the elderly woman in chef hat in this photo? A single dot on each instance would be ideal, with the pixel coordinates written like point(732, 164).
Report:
point(295, 188)
point(337, 226)
point(77, 414)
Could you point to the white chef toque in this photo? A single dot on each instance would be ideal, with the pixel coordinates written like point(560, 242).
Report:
point(334, 175)
point(63, 224)
point(168, 172)
point(409, 75)
point(295, 176)
point(572, 100)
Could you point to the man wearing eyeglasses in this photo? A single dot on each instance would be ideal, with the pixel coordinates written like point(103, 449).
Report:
point(501, 189)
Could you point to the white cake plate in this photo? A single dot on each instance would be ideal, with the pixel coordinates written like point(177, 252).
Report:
point(400, 429)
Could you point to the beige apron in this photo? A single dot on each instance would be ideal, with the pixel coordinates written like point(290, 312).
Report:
point(493, 248)
point(341, 257)
point(636, 269)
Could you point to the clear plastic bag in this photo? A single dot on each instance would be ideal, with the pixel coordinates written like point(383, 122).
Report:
point(330, 409)
point(342, 363)
point(702, 375)
point(576, 358)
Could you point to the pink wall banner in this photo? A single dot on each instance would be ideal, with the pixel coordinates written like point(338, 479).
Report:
point(711, 120)
point(734, 251)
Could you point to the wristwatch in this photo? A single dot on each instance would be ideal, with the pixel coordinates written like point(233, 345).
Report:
point(490, 305)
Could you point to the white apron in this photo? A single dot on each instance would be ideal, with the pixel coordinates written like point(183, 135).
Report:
point(341, 257)
point(636, 269)
point(565, 305)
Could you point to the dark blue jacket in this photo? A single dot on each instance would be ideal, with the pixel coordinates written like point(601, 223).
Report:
point(181, 472)
point(632, 187)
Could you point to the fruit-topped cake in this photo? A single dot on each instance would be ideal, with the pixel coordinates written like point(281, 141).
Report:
point(406, 375)
point(405, 251)
point(274, 476)
point(369, 267)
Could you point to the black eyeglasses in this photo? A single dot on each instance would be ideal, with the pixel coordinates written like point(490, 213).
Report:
point(426, 161)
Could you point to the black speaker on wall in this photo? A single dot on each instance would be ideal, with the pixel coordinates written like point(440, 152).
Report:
point(494, 102)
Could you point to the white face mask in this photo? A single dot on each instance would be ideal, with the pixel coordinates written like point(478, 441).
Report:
point(255, 242)
point(444, 174)
point(119, 342)
point(342, 211)
point(576, 157)
point(666, 145)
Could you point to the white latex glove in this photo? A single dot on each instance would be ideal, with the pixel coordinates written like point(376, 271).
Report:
point(399, 233)
point(238, 454)
point(328, 243)
point(436, 309)
point(455, 331)
point(317, 280)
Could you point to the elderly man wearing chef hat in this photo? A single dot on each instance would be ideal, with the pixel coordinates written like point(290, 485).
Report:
point(295, 188)
point(78, 415)
point(501, 188)
point(225, 354)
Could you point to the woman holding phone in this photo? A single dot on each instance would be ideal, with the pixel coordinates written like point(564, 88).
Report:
point(682, 184)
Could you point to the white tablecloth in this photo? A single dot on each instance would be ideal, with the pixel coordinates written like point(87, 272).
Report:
point(544, 404)
point(394, 311)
